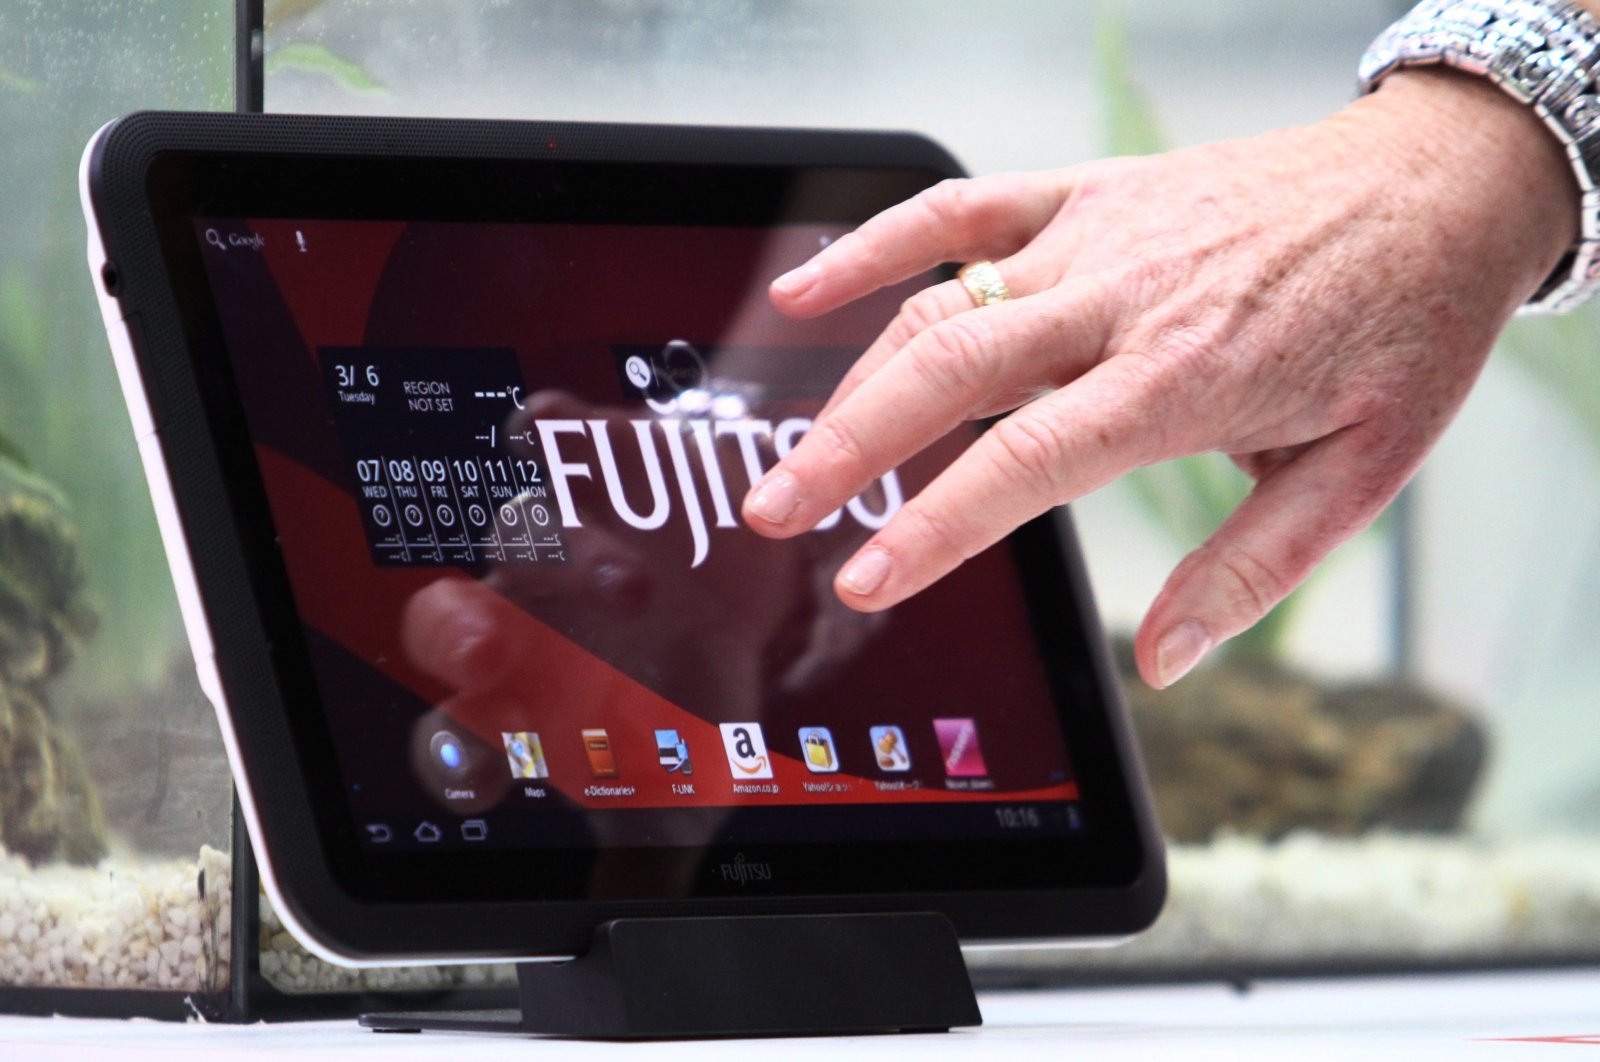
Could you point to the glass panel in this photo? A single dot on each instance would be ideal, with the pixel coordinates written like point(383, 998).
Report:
point(114, 791)
point(292, 970)
point(1398, 768)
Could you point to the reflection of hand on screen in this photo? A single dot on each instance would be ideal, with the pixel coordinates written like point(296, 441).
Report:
point(754, 615)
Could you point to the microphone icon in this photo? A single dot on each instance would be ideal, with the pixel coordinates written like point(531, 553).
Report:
point(300, 238)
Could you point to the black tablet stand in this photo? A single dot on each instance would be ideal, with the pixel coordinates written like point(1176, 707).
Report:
point(779, 975)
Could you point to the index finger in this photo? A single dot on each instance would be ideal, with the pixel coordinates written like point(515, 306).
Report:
point(1051, 451)
point(959, 219)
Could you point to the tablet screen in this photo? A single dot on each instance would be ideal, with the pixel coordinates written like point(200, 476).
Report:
point(504, 463)
point(448, 424)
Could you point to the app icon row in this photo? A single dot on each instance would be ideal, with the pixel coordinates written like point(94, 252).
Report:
point(745, 747)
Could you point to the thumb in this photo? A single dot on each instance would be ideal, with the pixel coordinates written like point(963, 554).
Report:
point(1296, 515)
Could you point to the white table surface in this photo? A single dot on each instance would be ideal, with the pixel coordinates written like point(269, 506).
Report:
point(1544, 1014)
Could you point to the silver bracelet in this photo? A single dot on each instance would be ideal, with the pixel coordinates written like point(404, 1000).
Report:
point(1545, 54)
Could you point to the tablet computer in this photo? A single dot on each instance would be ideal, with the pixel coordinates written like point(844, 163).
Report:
point(447, 423)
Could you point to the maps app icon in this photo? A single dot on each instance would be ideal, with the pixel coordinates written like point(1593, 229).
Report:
point(525, 755)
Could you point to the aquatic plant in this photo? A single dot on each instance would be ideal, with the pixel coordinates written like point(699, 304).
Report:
point(64, 70)
point(49, 807)
point(1187, 498)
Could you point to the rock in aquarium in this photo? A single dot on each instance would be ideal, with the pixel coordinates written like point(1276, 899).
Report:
point(1250, 745)
point(49, 809)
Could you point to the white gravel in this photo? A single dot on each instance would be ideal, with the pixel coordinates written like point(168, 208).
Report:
point(1307, 899)
point(118, 925)
point(1311, 899)
point(290, 968)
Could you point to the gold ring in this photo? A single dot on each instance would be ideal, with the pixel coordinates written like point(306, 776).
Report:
point(982, 281)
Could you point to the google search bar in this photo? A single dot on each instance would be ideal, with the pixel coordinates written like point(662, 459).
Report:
point(240, 241)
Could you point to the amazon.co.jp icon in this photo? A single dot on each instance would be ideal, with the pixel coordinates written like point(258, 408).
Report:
point(747, 750)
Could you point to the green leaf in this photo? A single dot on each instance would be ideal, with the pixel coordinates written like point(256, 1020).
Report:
point(280, 12)
point(1129, 120)
point(308, 58)
point(1562, 353)
point(1190, 497)
point(10, 451)
point(22, 316)
point(15, 82)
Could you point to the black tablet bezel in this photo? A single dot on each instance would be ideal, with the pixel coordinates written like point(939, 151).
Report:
point(150, 174)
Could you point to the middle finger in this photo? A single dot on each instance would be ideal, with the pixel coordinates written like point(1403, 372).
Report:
point(940, 378)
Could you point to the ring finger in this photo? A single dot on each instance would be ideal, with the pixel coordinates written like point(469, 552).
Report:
point(1024, 275)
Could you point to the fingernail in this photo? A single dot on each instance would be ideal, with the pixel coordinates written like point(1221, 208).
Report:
point(1179, 650)
point(797, 281)
point(866, 572)
point(775, 499)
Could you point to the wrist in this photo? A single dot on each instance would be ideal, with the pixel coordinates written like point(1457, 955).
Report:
point(1483, 160)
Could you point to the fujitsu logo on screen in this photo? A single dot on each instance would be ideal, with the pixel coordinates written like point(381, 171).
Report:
point(691, 447)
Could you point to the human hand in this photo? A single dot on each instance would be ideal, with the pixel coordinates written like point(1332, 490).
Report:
point(1315, 302)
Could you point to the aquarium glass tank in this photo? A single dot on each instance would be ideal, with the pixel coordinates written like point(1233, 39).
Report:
point(123, 889)
point(1401, 767)
point(115, 801)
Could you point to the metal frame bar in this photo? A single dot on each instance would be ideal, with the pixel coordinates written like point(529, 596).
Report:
point(249, 57)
